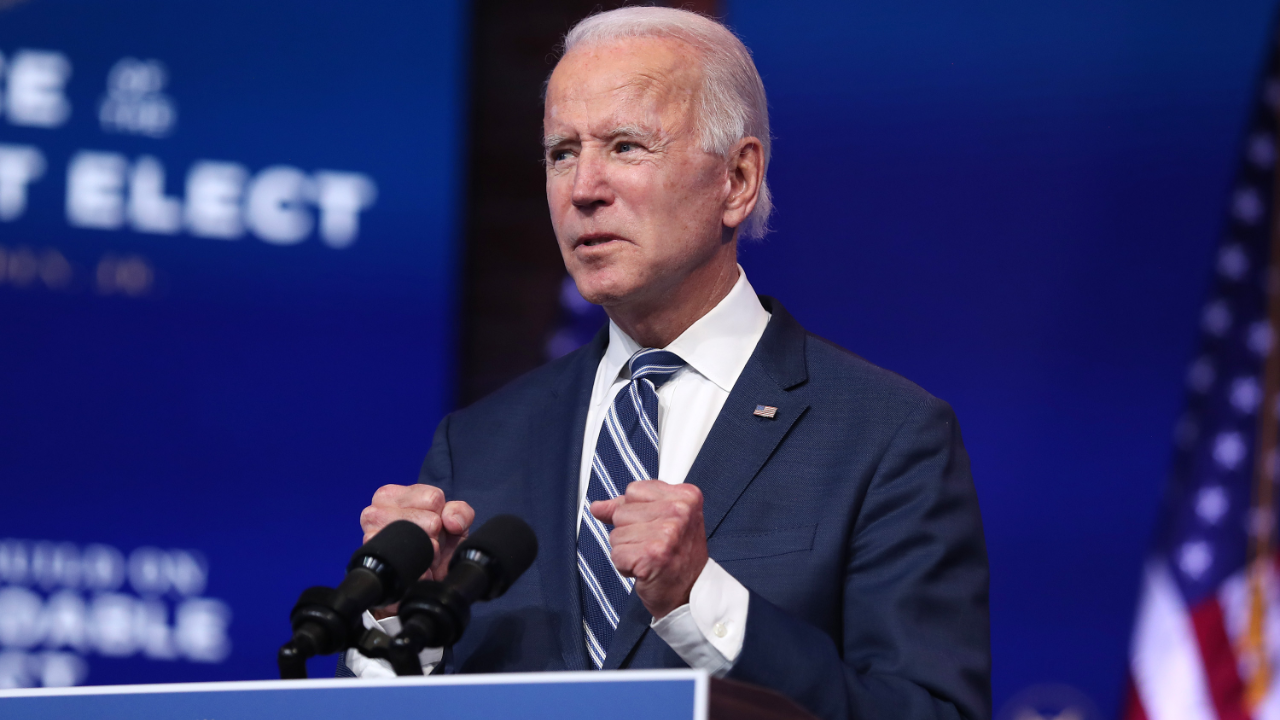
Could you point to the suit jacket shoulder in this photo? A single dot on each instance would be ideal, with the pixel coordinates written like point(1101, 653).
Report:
point(554, 394)
point(859, 537)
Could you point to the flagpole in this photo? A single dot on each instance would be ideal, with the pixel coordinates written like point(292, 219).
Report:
point(1262, 517)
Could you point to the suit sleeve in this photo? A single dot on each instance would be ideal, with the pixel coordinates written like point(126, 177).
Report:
point(437, 468)
point(915, 641)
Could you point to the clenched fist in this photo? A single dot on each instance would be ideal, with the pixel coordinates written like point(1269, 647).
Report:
point(659, 539)
point(446, 522)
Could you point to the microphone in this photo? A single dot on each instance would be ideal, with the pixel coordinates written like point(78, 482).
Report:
point(434, 614)
point(325, 620)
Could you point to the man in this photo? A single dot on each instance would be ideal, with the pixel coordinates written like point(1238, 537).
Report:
point(711, 486)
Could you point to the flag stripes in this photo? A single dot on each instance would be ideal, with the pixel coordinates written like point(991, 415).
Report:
point(1206, 644)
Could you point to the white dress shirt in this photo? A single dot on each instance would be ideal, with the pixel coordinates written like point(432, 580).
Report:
point(707, 632)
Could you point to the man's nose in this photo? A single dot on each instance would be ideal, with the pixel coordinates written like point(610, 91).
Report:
point(591, 181)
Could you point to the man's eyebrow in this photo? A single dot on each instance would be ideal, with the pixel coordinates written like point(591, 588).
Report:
point(635, 131)
point(632, 130)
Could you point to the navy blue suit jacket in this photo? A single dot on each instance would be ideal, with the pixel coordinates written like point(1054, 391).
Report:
point(850, 516)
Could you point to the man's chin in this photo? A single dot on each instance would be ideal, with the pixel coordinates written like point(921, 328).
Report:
point(603, 291)
point(601, 297)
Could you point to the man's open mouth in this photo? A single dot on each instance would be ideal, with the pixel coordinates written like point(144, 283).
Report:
point(594, 240)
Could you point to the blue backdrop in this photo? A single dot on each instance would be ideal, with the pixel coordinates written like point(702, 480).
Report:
point(227, 272)
point(227, 268)
point(1016, 205)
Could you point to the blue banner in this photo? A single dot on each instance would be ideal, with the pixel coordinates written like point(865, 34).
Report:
point(227, 251)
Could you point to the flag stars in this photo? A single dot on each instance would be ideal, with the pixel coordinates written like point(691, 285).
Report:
point(1262, 150)
point(1212, 504)
point(1247, 206)
point(1233, 263)
point(1229, 450)
point(1216, 319)
point(1195, 558)
point(1260, 338)
point(1245, 394)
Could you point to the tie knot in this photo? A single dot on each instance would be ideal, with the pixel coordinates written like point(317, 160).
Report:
point(655, 365)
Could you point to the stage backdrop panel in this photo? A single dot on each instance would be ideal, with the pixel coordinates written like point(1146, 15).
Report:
point(1016, 205)
point(227, 261)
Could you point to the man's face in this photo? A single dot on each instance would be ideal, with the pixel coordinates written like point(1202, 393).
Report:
point(637, 205)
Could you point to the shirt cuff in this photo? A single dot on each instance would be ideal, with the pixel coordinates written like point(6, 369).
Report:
point(365, 667)
point(707, 633)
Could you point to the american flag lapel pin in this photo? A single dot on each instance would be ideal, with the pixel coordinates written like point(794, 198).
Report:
point(765, 411)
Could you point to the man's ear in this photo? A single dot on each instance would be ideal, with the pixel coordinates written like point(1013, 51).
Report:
point(745, 176)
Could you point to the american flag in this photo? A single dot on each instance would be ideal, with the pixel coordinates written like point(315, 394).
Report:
point(1206, 643)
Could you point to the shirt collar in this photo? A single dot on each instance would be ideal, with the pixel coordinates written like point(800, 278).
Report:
point(716, 346)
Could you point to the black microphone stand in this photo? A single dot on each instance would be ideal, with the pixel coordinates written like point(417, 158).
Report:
point(327, 620)
point(435, 614)
point(375, 643)
point(432, 614)
point(318, 629)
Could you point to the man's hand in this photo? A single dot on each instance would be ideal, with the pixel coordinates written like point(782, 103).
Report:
point(659, 539)
point(446, 522)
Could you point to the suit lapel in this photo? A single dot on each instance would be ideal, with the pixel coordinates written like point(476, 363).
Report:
point(738, 445)
point(740, 442)
point(554, 495)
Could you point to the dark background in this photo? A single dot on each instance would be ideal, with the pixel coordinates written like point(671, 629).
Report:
point(1014, 205)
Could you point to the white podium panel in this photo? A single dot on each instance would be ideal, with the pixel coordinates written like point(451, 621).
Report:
point(635, 694)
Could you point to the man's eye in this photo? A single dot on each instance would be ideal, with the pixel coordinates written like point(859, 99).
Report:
point(559, 155)
point(625, 147)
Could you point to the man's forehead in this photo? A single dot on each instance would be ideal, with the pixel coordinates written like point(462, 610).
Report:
point(623, 77)
point(636, 119)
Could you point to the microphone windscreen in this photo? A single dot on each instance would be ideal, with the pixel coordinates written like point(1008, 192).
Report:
point(507, 540)
point(404, 547)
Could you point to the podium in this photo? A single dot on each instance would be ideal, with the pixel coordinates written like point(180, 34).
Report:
point(628, 695)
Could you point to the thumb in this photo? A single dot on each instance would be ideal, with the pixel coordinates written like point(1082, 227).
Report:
point(603, 510)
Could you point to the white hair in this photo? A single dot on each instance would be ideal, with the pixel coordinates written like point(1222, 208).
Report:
point(731, 104)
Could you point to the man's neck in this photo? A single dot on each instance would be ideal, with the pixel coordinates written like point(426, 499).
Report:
point(657, 326)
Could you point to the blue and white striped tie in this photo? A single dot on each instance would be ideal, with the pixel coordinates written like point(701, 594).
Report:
point(626, 451)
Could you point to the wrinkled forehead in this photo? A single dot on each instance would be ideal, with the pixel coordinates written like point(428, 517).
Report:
point(617, 81)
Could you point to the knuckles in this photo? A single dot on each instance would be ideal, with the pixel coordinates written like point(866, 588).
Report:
point(428, 496)
point(690, 494)
point(664, 542)
point(659, 551)
point(374, 518)
point(423, 497)
point(369, 517)
point(421, 504)
point(670, 533)
point(387, 494)
point(463, 510)
point(432, 524)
